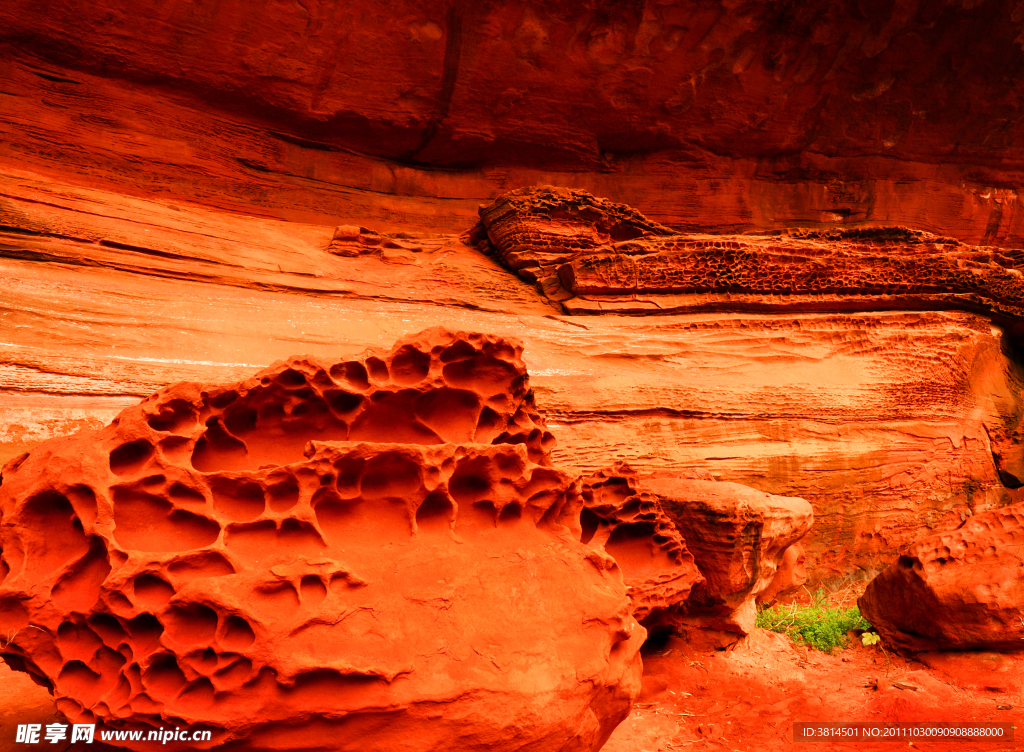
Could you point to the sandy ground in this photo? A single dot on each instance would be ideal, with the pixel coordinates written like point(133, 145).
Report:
point(748, 698)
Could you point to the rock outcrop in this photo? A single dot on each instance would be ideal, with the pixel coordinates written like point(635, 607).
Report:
point(958, 590)
point(697, 554)
point(596, 256)
point(626, 520)
point(739, 537)
point(362, 555)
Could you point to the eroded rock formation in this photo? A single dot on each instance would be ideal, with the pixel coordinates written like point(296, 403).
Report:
point(958, 590)
point(352, 556)
point(627, 521)
point(596, 256)
point(696, 554)
point(739, 537)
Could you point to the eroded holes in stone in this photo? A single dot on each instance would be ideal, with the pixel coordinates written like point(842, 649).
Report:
point(388, 418)
point(482, 374)
point(208, 659)
point(589, 522)
point(631, 545)
point(239, 499)
point(436, 513)
point(332, 514)
point(121, 693)
point(83, 501)
point(175, 449)
point(199, 694)
point(205, 564)
point(152, 591)
point(78, 680)
point(224, 399)
point(182, 493)
point(59, 537)
point(470, 482)
point(480, 513)
point(129, 458)
point(488, 426)
point(77, 641)
point(390, 475)
point(352, 373)
point(510, 514)
point(343, 402)
point(144, 522)
point(175, 416)
point(283, 494)
point(163, 678)
point(450, 413)
point(233, 675)
point(254, 539)
point(145, 631)
point(312, 590)
point(350, 473)
point(378, 369)
point(271, 413)
point(70, 709)
point(298, 536)
point(458, 351)
point(409, 365)
point(240, 420)
point(79, 588)
point(218, 450)
point(326, 479)
point(194, 624)
point(289, 378)
point(277, 601)
point(152, 481)
point(4, 568)
point(237, 634)
point(107, 627)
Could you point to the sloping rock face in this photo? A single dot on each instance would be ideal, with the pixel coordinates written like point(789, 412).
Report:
point(627, 521)
point(739, 537)
point(958, 590)
point(363, 555)
point(596, 256)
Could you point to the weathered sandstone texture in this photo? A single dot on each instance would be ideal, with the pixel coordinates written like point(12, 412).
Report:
point(596, 256)
point(739, 537)
point(892, 424)
point(963, 589)
point(360, 555)
point(627, 521)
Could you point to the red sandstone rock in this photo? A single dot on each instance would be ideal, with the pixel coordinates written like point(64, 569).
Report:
point(596, 256)
point(327, 557)
point(962, 589)
point(627, 521)
point(739, 537)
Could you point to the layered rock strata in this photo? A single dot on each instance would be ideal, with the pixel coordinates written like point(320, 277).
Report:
point(962, 589)
point(349, 556)
point(596, 256)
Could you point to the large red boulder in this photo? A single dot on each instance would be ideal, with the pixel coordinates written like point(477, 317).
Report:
point(368, 555)
point(962, 589)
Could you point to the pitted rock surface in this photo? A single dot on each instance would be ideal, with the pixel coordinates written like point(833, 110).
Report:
point(959, 590)
point(597, 256)
point(628, 522)
point(353, 556)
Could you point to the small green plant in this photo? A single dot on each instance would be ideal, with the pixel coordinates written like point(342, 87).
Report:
point(818, 625)
point(870, 638)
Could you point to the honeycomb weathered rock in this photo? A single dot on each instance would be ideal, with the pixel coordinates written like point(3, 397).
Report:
point(354, 556)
